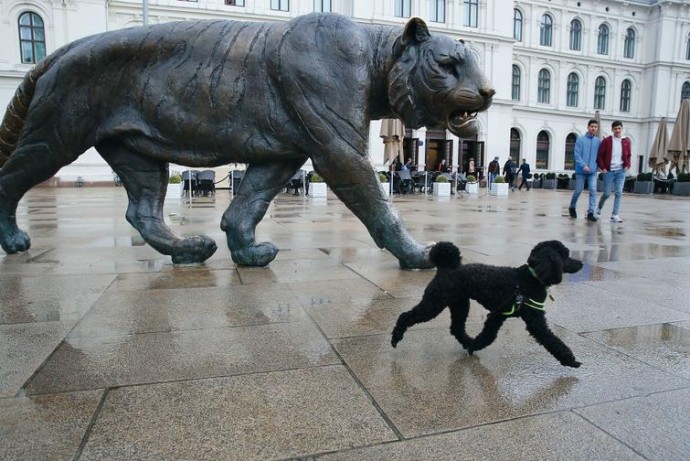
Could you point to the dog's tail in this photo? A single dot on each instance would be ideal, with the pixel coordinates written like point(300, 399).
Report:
point(445, 255)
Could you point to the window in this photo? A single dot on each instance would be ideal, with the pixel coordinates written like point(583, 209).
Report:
point(544, 87)
point(322, 5)
point(629, 44)
point(570, 151)
point(438, 10)
point(687, 49)
point(517, 25)
point(685, 91)
point(603, 40)
point(573, 89)
point(576, 35)
point(234, 2)
point(545, 30)
point(402, 8)
point(280, 5)
point(516, 83)
point(599, 93)
point(626, 89)
point(32, 38)
point(515, 144)
point(543, 144)
point(470, 13)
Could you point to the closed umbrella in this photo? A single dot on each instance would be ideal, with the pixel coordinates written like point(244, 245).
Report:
point(679, 145)
point(392, 132)
point(658, 153)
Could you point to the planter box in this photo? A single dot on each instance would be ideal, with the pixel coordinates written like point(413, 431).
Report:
point(318, 189)
point(536, 183)
point(549, 184)
point(173, 193)
point(386, 188)
point(441, 189)
point(571, 184)
point(643, 187)
point(472, 188)
point(499, 189)
point(563, 183)
point(681, 188)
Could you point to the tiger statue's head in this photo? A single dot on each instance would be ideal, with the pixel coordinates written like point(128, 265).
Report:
point(436, 82)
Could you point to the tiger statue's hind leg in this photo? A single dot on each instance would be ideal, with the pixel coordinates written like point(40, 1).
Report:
point(145, 180)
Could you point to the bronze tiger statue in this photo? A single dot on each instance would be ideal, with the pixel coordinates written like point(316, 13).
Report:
point(208, 93)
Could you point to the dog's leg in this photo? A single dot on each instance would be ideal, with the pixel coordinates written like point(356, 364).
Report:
point(537, 327)
point(488, 334)
point(426, 310)
point(458, 317)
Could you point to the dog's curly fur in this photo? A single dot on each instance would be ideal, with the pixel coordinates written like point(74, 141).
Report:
point(500, 290)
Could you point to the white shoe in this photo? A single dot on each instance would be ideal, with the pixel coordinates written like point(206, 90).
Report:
point(615, 218)
point(597, 213)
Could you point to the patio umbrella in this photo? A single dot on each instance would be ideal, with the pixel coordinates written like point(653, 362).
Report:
point(597, 117)
point(658, 153)
point(392, 132)
point(679, 145)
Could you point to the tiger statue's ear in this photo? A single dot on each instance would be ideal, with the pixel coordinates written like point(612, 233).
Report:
point(416, 32)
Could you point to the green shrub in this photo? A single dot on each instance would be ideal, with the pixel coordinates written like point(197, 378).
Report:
point(441, 178)
point(644, 176)
point(499, 180)
point(683, 177)
point(550, 175)
point(174, 179)
point(383, 177)
point(562, 175)
point(471, 178)
point(316, 178)
point(529, 175)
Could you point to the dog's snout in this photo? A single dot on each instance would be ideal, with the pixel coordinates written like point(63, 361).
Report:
point(572, 265)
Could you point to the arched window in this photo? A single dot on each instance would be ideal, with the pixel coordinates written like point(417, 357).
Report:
point(685, 91)
point(603, 40)
point(545, 30)
point(576, 35)
point(626, 90)
point(570, 151)
point(516, 83)
point(572, 90)
point(515, 143)
point(543, 145)
point(629, 44)
point(517, 25)
point(32, 38)
point(599, 93)
point(544, 86)
point(470, 13)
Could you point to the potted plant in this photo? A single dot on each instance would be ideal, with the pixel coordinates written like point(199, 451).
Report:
point(385, 184)
point(472, 187)
point(562, 181)
point(549, 181)
point(644, 184)
point(629, 184)
point(317, 187)
point(537, 180)
point(174, 191)
point(499, 186)
point(682, 185)
point(441, 186)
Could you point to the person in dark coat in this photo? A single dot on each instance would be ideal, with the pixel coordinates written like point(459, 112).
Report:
point(524, 169)
point(510, 171)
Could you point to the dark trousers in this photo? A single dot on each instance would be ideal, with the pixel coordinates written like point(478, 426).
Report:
point(524, 183)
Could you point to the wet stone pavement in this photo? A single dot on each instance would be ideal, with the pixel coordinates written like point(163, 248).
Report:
point(108, 351)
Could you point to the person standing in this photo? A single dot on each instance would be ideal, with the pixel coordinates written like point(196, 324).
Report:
point(510, 171)
point(586, 151)
point(613, 160)
point(494, 170)
point(524, 169)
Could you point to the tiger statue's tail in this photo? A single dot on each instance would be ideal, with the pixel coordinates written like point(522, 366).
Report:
point(17, 109)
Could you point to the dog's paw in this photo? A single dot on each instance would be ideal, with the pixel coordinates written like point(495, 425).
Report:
point(396, 337)
point(573, 364)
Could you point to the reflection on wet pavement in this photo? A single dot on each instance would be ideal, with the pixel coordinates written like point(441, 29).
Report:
point(108, 351)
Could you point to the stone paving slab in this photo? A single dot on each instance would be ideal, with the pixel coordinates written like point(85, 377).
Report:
point(259, 416)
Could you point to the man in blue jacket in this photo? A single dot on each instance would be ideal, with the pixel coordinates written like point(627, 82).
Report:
point(586, 150)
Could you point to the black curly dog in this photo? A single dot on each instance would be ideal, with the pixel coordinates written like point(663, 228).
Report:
point(504, 291)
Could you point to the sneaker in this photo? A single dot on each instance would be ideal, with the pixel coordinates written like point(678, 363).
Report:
point(617, 219)
point(573, 213)
point(591, 217)
point(597, 213)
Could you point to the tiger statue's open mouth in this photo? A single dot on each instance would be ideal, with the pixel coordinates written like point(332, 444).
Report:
point(463, 124)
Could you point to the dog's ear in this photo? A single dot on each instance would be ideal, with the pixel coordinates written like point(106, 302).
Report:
point(547, 264)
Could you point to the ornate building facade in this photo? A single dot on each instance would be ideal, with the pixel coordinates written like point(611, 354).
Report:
point(553, 63)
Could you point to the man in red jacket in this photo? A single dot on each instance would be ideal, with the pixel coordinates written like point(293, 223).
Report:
point(613, 160)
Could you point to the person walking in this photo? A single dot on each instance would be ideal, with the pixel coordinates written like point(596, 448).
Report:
point(586, 152)
point(494, 170)
point(524, 169)
point(510, 171)
point(613, 160)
